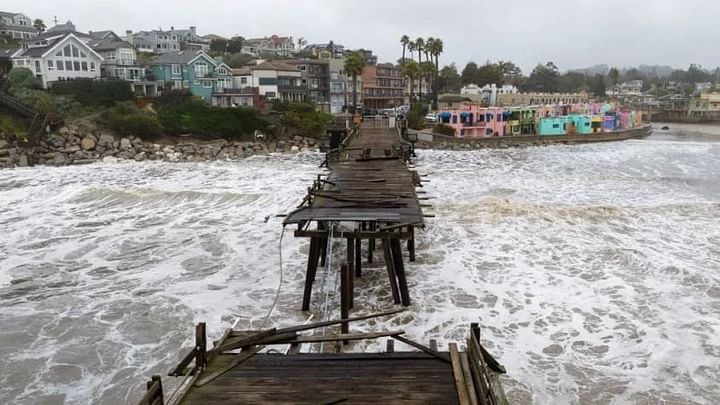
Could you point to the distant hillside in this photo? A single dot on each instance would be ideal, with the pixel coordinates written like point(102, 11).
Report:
point(593, 70)
point(655, 70)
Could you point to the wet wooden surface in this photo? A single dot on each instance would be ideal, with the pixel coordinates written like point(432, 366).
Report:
point(362, 378)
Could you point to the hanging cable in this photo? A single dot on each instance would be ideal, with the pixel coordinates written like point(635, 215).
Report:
point(279, 288)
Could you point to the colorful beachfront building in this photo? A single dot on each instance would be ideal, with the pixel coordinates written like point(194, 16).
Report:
point(521, 121)
point(470, 120)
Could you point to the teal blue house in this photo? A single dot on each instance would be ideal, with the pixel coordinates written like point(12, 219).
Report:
point(579, 124)
point(193, 70)
point(552, 126)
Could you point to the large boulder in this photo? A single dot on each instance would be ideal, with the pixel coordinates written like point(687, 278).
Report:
point(56, 141)
point(125, 144)
point(87, 143)
point(59, 159)
point(106, 141)
point(3, 144)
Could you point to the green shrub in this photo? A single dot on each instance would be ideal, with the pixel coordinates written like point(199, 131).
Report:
point(39, 100)
point(304, 119)
point(416, 116)
point(197, 118)
point(173, 98)
point(127, 119)
point(97, 93)
point(11, 129)
point(20, 79)
point(444, 129)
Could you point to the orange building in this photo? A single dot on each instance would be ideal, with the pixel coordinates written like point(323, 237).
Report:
point(383, 86)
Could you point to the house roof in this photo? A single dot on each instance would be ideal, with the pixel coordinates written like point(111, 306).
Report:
point(102, 34)
point(40, 51)
point(60, 33)
point(109, 44)
point(274, 65)
point(179, 57)
point(242, 72)
point(8, 53)
point(8, 14)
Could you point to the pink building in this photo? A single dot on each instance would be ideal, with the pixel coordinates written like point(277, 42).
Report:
point(470, 120)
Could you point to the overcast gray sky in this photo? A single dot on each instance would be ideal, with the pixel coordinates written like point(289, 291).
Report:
point(571, 33)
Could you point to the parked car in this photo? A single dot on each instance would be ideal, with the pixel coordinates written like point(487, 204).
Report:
point(431, 118)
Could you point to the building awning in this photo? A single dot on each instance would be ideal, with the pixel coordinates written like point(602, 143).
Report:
point(464, 114)
point(445, 114)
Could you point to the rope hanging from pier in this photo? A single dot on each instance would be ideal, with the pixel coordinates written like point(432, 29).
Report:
point(277, 294)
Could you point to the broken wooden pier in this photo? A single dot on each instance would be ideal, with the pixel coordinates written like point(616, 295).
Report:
point(369, 199)
point(234, 372)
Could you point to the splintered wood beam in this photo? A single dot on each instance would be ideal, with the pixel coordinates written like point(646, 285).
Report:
point(423, 348)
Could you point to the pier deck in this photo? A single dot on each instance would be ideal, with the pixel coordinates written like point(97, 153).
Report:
point(233, 372)
point(368, 196)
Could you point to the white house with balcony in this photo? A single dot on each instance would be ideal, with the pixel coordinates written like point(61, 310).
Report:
point(16, 26)
point(121, 62)
point(60, 56)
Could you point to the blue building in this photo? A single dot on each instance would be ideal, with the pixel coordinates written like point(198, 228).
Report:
point(193, 70)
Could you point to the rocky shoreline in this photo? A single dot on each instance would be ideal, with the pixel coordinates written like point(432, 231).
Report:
point(71, 146)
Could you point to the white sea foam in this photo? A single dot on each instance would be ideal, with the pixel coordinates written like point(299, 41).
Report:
point(593, 270)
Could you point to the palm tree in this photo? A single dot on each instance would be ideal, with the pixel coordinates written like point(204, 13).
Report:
point(354, 66)
point(420, 47)
point(405, 40)
point(411, 70)
point(411, 48)
point(436, 48)
point(39, 25)
point(427, 70)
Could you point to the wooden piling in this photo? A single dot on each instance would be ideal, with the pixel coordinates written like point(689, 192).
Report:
point(345, 279)
point(411, 243)
point(400, 271)
point(313, 258)
point(358, 258)
point(351, 266)
point(390, 265)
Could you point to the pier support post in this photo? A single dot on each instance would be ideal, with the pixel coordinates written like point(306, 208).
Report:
point(390, 264)
point(200, 346)
point(411, 243)
point(351, 242)
point(313, 258)
point(358, 258)
point(345, 294)
point(400, 271)
point(371, 243)
point(323, 243)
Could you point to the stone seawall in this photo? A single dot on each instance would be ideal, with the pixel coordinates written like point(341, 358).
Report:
point(69, 146)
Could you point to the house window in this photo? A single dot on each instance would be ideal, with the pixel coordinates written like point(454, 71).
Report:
point(75, 52)
point(84, 66)
point(60, 53)
point(222, 71)
point(50, 64)
point(76, 66)
point(270, 94)
point(92, 66)
point(186, 83)
point(243, 80)
point(176, 69)
point(68, 65)
point(556, 126)
point(207, 84)
point(59, 65)
point(177, 84)
point(83, 55)
point(37, 67)
point(201, 68)
point(196, 82)
point(66, 51)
